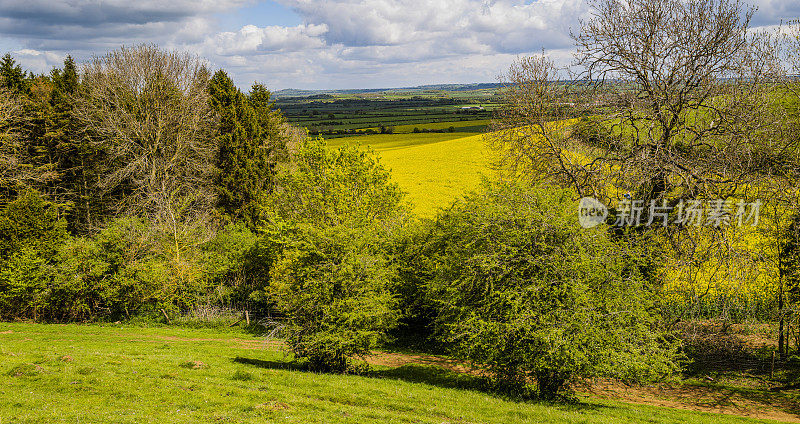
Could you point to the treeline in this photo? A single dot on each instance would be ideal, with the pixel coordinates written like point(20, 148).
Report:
point(115, 178)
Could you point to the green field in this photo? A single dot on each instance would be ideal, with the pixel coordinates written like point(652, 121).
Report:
point(123, 374)
point(472, 126)
point(433, 168)
point(350, 112)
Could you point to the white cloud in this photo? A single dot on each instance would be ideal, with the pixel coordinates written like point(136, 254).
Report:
point(251, 39)
point(394, 38)
point(348, 43)
point(34, 59)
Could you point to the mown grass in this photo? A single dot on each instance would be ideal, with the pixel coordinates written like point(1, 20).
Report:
point(120, 374)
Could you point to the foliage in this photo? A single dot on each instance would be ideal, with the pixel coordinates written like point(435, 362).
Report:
point(251, 141)
point(344, 186)
point(240, 264)
point(334, 284)
point(149, 111)
point(526, 293)
point(591, 131)
point(30, 235)
point(12, 77)
point(333, 280)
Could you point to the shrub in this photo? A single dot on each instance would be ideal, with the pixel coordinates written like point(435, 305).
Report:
point(31, 233)
point(31, 222)
point(525, 293)
point(327, 187)
point(334, 287)
point(81, 281)
point(591, 131)
point(239, 263)
point(24, 280)
point(150, 270)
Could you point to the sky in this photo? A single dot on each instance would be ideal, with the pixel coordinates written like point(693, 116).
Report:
point(315, 44)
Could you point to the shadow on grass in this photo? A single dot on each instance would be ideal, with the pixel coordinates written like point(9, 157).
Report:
point(272, 365)
point(721, 395)
point(436, 376)
point(433, 375)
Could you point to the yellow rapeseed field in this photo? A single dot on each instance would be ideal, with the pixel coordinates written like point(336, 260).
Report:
point(434, 168)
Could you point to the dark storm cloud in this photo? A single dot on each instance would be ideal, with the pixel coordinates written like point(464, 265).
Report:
point(71, 20)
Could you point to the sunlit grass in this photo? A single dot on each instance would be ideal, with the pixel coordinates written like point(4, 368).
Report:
point(115, 374)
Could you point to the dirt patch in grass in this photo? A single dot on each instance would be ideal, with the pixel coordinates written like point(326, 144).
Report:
point(394, 360)
point(762, 405)
point(194, 365)
point(25, 370)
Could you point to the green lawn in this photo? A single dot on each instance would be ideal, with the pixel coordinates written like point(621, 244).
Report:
point(123, 374)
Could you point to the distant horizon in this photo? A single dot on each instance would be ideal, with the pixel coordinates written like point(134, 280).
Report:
point(316, 44)
point(379, 89)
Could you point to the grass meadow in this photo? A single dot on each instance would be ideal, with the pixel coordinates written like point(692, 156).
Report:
point(124, 374)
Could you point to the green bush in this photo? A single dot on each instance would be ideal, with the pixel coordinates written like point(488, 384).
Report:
point(333, 285)
point(31, 233)
point(24, 281)
point(31, 222)
point(591, 131)
point(81, 281)
point(524, 292)
point(239, 263)
point(148, 270)
point(344, 186)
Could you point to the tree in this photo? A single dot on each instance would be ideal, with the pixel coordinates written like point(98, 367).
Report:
point(252, 140)
point(30, 235)
point(333, 210)
point(344, 186)
point(334, 285)
point(684, 85)
point(12, 77)
point(77, 159)
point(684, 105)
point(524, 293)
point(150, 113)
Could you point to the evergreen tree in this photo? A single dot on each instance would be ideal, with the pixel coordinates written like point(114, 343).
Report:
point(12, 77)
point(77, 157)
point(249, 139)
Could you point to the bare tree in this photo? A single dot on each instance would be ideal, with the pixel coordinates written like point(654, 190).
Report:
point(149, 110)
point(687, 110)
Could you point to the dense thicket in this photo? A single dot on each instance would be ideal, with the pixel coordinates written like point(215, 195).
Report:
point(507, 279)
point(132, 164)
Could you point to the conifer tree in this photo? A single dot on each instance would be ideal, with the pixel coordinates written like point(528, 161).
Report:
point(249, 139)
point(12, 77)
